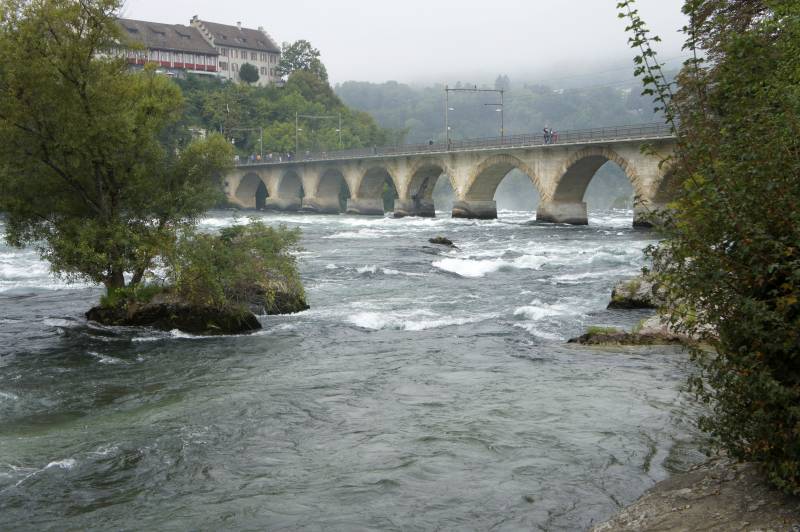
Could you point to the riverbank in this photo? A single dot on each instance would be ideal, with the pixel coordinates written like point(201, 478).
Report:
point(716, 496)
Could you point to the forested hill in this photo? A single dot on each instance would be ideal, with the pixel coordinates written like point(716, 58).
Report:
point(241, 110)
point(418, 111)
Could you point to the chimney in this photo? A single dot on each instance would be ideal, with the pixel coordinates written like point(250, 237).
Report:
point(239, 25)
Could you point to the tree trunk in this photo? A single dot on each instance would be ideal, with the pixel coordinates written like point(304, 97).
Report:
point(115, 281)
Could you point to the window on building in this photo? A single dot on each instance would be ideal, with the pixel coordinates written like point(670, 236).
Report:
point(253, 56)
point(223, 65)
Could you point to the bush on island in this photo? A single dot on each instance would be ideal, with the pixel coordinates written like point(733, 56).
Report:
point(215, 284)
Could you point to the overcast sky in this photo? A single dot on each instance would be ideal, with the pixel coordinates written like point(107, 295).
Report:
point(442, 40)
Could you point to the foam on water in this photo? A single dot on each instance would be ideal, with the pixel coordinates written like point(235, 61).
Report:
point(105, 359)
point(367, 269)
point(415, 320)
point(480, 268)
point(67, 463)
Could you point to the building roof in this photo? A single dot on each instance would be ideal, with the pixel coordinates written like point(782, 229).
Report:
point(157, 36)
point(239, 37)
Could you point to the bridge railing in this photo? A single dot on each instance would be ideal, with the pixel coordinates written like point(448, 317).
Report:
point(601, 134)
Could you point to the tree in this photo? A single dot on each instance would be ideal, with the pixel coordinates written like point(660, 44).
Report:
point(502, 83)
point(300, 55)
point(94, 170)
point(248, 73)
point(730, 258)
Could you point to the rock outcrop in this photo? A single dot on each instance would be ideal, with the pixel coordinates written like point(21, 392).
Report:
point(652, 331)
point(166, 311)
point(717, 496)
point(282, 301)
point(166, 314)
point(635, 293)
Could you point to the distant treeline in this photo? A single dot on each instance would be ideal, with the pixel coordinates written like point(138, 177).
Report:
point(419, 111)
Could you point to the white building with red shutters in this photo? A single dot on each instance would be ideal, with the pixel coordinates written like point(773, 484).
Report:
point(203, 47)
point(238, 45)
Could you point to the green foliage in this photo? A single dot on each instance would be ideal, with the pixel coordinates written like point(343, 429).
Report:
point(94, 171)
point(139, 294)
point(227, 270)
point(248, 73)
point(301, 56)
point(731, 255)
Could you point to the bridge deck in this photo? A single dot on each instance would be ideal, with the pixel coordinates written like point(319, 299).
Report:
point(643, 132)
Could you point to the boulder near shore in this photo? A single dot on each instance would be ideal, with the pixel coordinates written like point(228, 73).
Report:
point(635, 293)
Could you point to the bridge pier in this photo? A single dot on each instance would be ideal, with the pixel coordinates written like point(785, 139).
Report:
point(479, 210)
point(282, 204)
point(365, 206)
point(321, 205)
point(422, 208)
point(562, 212)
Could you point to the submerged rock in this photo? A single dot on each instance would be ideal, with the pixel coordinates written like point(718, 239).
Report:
point(635, 293)
point(442, 241)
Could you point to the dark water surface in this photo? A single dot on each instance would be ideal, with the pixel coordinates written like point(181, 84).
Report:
point(426, 389)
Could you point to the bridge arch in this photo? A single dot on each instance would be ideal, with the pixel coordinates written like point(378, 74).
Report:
point(370, 184)
point(289, 190)
point(581, 167)
point(252, 191)
point(487, 175)
point(290, 185)
point(332, 189)
point(423, 176)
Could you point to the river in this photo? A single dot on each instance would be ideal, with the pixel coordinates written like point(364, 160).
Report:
point(425, 389)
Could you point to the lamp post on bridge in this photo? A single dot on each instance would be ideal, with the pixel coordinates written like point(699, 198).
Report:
point(447, 108)
point(297, 129)
point(260, 136)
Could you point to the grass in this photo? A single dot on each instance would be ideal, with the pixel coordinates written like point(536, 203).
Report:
point(595, 330)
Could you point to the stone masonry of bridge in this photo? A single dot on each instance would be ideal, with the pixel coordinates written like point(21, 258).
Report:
point(560, 172)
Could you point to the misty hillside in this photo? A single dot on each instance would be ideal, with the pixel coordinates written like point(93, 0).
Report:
point(419, 111)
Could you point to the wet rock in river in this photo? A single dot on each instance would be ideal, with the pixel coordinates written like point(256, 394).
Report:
point(442, 241)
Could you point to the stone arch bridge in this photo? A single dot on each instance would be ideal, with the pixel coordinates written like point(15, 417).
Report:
point(560, 170)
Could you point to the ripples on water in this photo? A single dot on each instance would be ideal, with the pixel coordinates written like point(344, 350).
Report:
point(427, 388)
